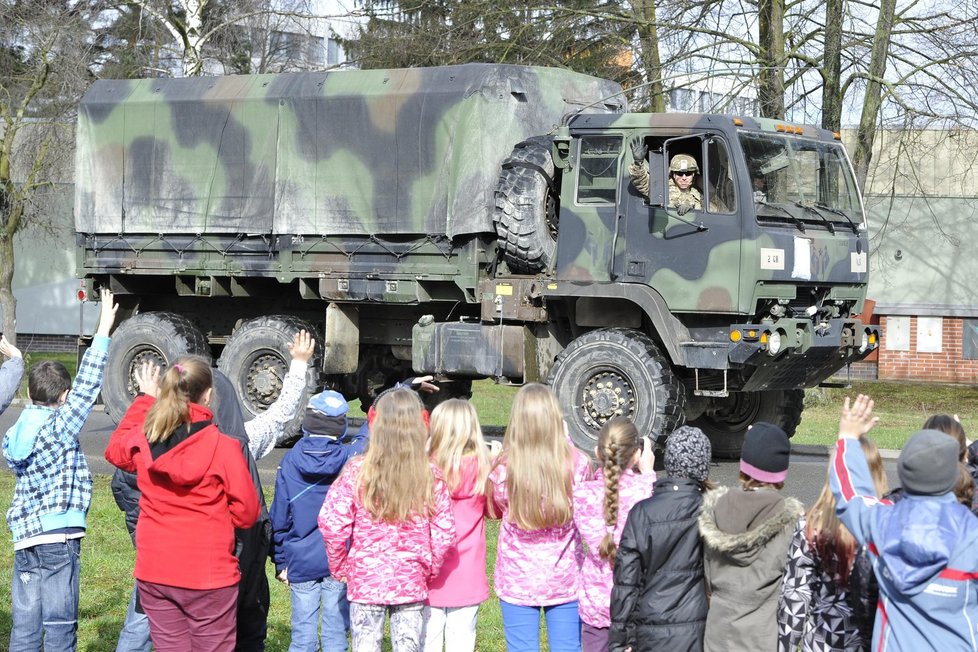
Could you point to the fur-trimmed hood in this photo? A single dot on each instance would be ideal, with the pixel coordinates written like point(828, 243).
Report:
point(748, 521)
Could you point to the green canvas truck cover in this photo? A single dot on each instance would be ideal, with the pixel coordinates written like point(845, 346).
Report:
point(408, 151)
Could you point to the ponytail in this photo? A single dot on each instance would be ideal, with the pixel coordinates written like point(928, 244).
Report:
point(617, 443)
point(183, 383)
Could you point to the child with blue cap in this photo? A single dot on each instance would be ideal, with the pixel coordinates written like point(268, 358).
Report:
point(304, 478)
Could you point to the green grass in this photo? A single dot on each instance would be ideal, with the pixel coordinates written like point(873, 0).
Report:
point(106, 579)
point(901, 406)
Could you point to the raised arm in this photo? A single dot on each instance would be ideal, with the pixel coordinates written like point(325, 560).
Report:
point(849, 476)
point(10, 373)
point(268, 428)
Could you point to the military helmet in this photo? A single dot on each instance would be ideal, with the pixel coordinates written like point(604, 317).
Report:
point(683, 163)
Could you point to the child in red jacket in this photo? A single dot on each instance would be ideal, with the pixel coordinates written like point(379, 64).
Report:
point(196, 489)
point(387, 523)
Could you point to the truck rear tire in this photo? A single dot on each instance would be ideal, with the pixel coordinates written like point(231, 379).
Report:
point(616, 372)
point(725, 421)
point(256, 360)
point(526, 211)
point(161, 337)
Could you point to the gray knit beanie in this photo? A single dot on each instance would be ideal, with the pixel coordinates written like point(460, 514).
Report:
point(688, 453)
point(928, 463)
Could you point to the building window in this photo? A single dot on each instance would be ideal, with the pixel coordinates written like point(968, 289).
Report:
point(930, 332)
point(334, 53)
point(969, 339)
point(898, 333)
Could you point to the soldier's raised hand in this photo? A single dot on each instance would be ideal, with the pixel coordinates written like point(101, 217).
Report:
point(682, 209)
point(640, 150)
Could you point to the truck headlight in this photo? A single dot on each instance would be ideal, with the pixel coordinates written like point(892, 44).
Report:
point(774, 343)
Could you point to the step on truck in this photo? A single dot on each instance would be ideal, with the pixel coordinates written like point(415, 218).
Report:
point(472, 221)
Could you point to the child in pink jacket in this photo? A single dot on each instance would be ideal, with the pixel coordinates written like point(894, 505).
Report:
point(387, 525)
point(539, 555)
point(601, 506)
point(460, 452)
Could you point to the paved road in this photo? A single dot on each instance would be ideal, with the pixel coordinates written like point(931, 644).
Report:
point(805, 477)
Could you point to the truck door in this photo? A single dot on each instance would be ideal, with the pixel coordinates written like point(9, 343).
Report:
point(691, 259)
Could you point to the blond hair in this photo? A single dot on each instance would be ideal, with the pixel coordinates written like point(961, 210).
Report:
point(618, 442)
point(538, 461)
point(395, 481)
point(183, 383)
point(833, 543)
point(455, 433)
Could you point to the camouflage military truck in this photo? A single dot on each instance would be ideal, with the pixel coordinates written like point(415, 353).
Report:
point(472, 221)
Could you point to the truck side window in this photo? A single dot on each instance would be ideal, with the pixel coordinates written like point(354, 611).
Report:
point(597, 177)
point(720, 185)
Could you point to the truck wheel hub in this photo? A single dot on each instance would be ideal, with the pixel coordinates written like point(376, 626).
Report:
point(607, 395)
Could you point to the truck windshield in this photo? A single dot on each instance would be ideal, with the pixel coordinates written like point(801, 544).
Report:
point(808, 180)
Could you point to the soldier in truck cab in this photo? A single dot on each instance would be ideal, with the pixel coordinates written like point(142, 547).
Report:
point(683, 194)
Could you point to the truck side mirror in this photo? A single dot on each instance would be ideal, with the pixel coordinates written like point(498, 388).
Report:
point(657, 179)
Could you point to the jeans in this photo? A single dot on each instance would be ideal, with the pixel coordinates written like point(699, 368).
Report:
point(521, 627)
point(450, 628)
point(44, 597)
point(134, 636)
point(319, 602)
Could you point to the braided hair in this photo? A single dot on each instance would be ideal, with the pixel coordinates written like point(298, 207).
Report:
point(618, 442)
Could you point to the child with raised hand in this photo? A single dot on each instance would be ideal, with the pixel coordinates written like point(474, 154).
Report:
point(195, 489)
point(539, 554)
point(746, 532)
point(820, 585)
point(454, 596)
point(601, 505)
point(659, 596)
point(388, 525)
point(924, 548)
point(304, 478)
point(11, 372)
point(47, 516)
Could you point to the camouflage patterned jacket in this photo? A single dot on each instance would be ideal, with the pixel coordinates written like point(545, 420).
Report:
point(640, 179)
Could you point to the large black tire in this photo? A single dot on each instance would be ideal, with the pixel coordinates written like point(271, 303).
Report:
point(726, 419)
point(161, 337)
point(526, 210)
point(616, 372)
point(256, 360)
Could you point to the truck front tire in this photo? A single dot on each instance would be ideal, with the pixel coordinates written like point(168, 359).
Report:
point(525, 212)
point(616, 372)
point(159, 337)
point(256, 360)
point(726, 419)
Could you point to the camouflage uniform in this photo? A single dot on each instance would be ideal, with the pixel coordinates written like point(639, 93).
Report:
point(640, 179)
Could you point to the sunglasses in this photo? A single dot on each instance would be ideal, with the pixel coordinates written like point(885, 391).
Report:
point(684, 174)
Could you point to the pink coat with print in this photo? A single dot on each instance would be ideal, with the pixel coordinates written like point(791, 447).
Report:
point(537, 567)
point(386, 563)
point(596, 573)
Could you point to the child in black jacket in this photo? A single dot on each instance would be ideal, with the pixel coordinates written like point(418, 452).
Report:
point(659, 598)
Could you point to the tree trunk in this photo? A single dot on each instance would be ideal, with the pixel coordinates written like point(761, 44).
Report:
point(8, 304)
point(873, 99)
point(771, 79)
point(193, 57)
point(832, 66)
point(648, 37)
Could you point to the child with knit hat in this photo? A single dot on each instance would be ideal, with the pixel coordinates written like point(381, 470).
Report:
point(746, 532)
point(659, 598)
point(304, 477)
point(924, 548)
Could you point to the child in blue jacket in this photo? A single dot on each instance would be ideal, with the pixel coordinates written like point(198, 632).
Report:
point(924, 548)
point(304, 478)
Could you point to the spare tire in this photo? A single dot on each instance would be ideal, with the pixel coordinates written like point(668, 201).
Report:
point(526, 207)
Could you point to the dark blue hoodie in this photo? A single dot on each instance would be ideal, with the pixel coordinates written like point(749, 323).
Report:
point(304, 477)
